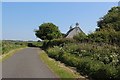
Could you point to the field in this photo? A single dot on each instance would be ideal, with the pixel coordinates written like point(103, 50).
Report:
point(8, 45)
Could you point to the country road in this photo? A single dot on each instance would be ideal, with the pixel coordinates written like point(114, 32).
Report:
point(26, 64)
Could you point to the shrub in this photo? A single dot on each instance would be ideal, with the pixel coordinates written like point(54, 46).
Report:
point(93, 67)
point(97, 61)
point(56, 42)
point(54, 52)
point(71, 48)
point(82, 65)
point(107, 72)
point(118, 73)
point(81, 37)
point(70, 60)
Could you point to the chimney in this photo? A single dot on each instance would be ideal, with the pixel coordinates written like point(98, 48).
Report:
point(70, 27)
point(77, 24)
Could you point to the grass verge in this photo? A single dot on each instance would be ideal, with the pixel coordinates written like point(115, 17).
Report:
point(10, 53)
point(58, 68)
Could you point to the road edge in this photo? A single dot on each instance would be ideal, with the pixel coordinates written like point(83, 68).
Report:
point(10, 53)
point(65, 67)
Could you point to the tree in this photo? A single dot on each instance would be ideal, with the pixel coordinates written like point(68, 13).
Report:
point(48, 31)
point(110, 20)
point(108, 30)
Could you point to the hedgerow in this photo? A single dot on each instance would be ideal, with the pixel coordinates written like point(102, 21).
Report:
point(98, 62)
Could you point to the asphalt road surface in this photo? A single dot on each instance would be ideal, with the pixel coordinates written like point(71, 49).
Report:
point(26, 64)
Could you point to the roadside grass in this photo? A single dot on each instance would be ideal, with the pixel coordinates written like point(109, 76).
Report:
point(10, 53)
point(58, 68)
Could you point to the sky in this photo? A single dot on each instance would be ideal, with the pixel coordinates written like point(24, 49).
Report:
point(60, 0)
point(20, 19)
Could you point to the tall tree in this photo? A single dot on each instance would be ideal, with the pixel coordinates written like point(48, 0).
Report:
point(48, 31)
point(110, 20)
point(108, 27)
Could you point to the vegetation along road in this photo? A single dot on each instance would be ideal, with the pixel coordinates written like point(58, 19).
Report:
point(26, 64)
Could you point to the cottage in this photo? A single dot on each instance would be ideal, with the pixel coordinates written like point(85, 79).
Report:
point(73, 31)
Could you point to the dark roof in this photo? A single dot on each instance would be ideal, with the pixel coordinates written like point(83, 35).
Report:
point(69, 31)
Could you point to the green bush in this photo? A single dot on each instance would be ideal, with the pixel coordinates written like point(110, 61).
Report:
point(35, 44)
point(82, 66)
point(71, 48)
point(56, 42)
point(93, 67)
point(81, 37)
point(69, 59)
point(54, 52)
point(108, 36)
point(97, 61)
point(118, 73)
point(107, 72)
